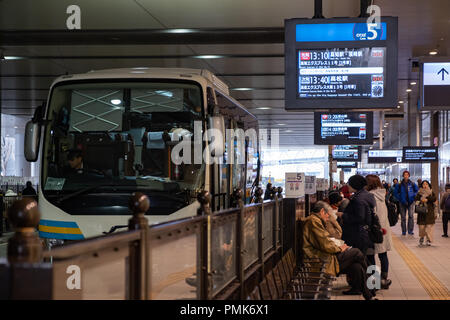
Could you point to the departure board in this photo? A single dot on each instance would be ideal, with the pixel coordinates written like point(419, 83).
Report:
point(346, 153)
point(420, 154)
point(341, 63)
point(384, 156)
point(346, 164)
point(343, 128)
point(342, 72)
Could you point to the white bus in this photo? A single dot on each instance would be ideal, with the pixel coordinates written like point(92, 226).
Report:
point(106, 134)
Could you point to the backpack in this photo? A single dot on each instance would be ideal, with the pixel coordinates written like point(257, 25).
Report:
point(392, 213)
point(374, 230)
point(447, 204)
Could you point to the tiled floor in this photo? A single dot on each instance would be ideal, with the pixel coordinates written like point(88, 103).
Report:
point(405, 285)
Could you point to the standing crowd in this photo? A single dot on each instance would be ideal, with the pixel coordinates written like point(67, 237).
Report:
point(350, 228)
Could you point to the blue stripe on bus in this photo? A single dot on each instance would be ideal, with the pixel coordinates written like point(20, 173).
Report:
point(54, 223)
point(64, 236)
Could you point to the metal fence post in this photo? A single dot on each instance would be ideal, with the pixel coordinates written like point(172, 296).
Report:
point(139, 256)
point(24, 245)
point(259, 193)
point(238, 195)
point(204, 210)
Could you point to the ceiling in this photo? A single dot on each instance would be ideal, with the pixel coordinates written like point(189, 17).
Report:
point(247, 34)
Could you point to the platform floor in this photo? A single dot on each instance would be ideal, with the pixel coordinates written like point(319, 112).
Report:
point(417, 272)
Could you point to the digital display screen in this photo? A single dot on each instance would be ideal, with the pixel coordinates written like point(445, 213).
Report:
point(341, 63)
point(342, 73)
point(385, 156)
point(420, 154)
point(346, 153)
point(343, 128)
point(347, 164)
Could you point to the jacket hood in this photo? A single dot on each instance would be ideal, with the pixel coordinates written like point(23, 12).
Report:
point(379, 194)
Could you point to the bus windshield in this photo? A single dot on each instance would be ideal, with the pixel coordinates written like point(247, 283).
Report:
point(105, 140)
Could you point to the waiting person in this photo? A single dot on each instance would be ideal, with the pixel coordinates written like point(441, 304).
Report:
point(332, 225)
point(335, 199)
point(406, 192)
point(339, 259)
point(29, 190)
point(358, 215)
point(375, 187)
point(426, 219)
point(445, 207)
point(269, 191)
point(345, 190)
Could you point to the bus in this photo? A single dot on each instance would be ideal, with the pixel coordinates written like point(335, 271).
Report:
point(103, 135)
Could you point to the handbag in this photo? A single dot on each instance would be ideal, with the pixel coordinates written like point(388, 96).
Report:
point(421, 208)
point(374, 230)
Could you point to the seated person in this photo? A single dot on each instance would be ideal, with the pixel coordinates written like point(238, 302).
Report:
point(339, 259)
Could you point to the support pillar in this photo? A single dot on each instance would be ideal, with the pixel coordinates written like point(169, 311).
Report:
point(434, 141)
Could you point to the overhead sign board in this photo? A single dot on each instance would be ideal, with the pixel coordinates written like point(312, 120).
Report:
point(321, 184)
point(294, 184)
point(347, 153)
point(384, 156)
point(420, 154)
point(344, 128)
point(435, 84)
point(340, 63)
point(365, 172)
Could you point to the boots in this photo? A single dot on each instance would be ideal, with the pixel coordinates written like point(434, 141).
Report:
point(385, 282)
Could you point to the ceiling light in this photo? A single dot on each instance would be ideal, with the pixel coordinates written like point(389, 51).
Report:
point(137, 71)
point(282, 124)
point(180, 30)
point(408, 90)
point(433, 52)
point(242, 89)
point(413, 83)
point(288, 131)
point(398, 107)
point(263, 108)
point(401, 101)
point(116, 101)
point(140, 68)
point(208, 56)
point(15, 127)
point(13, 58)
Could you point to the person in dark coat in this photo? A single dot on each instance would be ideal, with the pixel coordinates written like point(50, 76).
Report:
point(358, 215)
point(29, 190)
point(406, 192)
point(426, 221)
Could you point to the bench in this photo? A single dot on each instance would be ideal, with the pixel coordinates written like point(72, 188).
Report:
point(287, 281)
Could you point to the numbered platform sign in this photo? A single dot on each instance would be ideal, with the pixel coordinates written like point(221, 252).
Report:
point(294, 184)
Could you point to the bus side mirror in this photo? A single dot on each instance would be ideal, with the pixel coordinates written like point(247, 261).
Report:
point(217, 123)
point(33, 136)
point(32, 139)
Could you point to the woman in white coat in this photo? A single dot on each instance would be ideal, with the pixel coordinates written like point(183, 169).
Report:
point(375, 187)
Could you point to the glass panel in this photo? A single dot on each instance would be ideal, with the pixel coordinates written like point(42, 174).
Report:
point(250, 236)
point(223, 255)
point(116, 138)
point(173, 268)
point(267, 226)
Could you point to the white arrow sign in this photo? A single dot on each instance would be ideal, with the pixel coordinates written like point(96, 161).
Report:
point(436, 74)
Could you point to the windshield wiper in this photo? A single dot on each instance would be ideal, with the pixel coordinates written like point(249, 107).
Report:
point(81, 191)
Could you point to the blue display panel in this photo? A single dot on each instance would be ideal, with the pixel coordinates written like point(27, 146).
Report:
point(340, 32)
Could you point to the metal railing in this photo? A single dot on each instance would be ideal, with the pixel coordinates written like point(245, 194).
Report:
point(220, 255)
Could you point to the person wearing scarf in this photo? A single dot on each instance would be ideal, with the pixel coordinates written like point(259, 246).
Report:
point(425, 196)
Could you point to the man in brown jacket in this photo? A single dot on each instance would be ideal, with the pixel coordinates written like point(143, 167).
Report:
point(338, 259)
